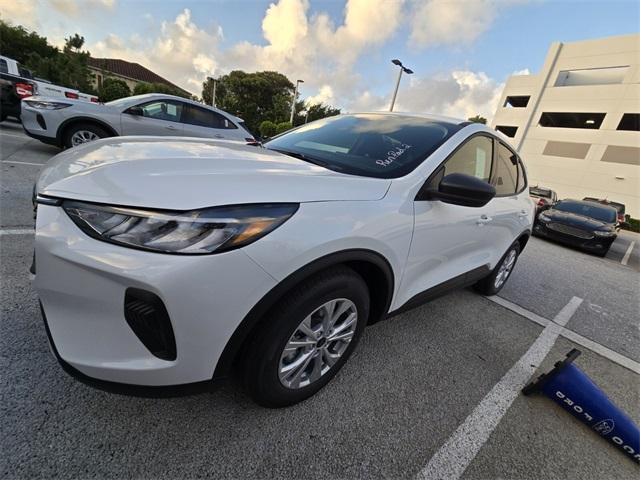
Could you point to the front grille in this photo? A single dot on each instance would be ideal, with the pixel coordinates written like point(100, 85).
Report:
point(567, 230)
point(148, 318)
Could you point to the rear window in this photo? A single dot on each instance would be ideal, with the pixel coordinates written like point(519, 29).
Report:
point(203, 117)
point(3, 66)
point(372, 145)
point(602, 213)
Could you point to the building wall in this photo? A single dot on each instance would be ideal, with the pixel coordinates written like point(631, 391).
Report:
point(99, 76)
point(558, 165)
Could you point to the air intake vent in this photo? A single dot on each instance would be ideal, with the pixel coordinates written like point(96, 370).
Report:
point(148, 318)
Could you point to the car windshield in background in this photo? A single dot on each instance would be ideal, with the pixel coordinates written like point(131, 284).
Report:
point(604, 214)
point(371, 145)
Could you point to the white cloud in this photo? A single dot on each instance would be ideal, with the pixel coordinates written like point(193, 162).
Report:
point(309, 45)
point(80, 7)
point(439, 22)
point(182, 53)
point(460, 94)
point(19, 12)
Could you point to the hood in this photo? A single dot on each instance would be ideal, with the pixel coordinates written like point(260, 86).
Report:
point(575, 220)
point(184, 173)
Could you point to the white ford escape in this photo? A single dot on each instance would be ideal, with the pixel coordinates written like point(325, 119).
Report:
point(168, 262)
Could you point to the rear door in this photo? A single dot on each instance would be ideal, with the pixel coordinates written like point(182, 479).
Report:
point(159, 117)
point(511, 208)
point(205, 123)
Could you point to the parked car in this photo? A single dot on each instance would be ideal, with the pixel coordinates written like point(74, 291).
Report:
point(68, 123)
point(41, 86)
point(164, 262)
point(542, 197)
point(586, 225)
point(620, 207)
point(13, 88)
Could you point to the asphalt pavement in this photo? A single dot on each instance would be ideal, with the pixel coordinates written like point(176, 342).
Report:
point(412, 385)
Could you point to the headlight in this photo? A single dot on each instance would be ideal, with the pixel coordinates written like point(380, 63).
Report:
point(544, 218)
point(46, 105)
point(202, 231)
point(604, 233)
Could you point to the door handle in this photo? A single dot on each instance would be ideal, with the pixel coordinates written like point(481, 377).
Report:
point(523, 213)
point(483, 219)
point(171, 127)
point(217, 135)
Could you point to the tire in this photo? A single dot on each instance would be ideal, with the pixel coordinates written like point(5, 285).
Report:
point(85, 130)
point(269, 375)
point(490, 285)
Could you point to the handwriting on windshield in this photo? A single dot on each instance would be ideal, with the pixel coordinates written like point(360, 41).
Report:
point(392, 155)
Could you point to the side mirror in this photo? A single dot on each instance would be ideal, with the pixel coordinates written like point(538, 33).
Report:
point(461, 189)
point(135, 111)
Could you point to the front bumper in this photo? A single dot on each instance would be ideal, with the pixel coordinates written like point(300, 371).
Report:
point(82, 282)
point(40, 126)
point(594, 244)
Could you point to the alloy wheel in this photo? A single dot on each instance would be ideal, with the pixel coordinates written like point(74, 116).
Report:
point(317, 343)
point(83, 136)
point(505, 269)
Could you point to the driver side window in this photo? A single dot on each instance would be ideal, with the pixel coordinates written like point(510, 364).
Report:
point(162, 110)
point(473, 158)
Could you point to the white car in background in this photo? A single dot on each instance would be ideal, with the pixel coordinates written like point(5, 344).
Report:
point(43, 88)
point(68, 123)
point(167, 262)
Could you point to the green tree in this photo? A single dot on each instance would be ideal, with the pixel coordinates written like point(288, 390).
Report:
point(267, 129)
point(112, 89)
point(143, 87)
point(283, 127)
point(478, 119)
point(315, 112)
point(18, 43)
point(254, 97)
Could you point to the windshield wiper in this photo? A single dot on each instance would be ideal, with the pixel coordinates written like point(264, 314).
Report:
point(306, 158)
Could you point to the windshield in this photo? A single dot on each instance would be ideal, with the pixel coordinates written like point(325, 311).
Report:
point(604, 214)
point(371, 145)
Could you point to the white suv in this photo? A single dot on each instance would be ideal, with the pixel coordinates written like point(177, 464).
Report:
point(169, 262)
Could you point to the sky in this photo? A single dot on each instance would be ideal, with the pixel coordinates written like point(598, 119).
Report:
point(462, 51)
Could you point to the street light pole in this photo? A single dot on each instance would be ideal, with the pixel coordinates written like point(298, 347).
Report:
point(408, 71)
point(295, 97)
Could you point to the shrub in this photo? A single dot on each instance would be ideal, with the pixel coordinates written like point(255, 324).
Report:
point(267, 129)
point(113, 89)
point(283, 127)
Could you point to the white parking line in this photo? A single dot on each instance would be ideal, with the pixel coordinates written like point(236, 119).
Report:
point(24, 163)
point(2, 133)
point(585, 342)
point(452, 459)
point(627, 254)
point(17, 231)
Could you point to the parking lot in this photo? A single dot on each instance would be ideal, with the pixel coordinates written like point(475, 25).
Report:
point(431, 393)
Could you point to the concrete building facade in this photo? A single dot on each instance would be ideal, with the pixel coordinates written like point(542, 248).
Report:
point(577, 122)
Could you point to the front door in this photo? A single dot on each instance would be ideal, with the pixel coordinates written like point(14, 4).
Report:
point(159, 117)
point(451, 240)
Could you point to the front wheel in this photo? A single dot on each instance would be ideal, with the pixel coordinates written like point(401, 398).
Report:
point(493, 283)
point(307, 338)
point(83, 133)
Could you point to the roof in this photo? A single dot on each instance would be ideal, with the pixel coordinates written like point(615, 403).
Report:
point(427, 116)
point(131, 70)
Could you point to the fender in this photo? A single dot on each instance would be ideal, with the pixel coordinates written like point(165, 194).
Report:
point(351, 257)
point(68, 121)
